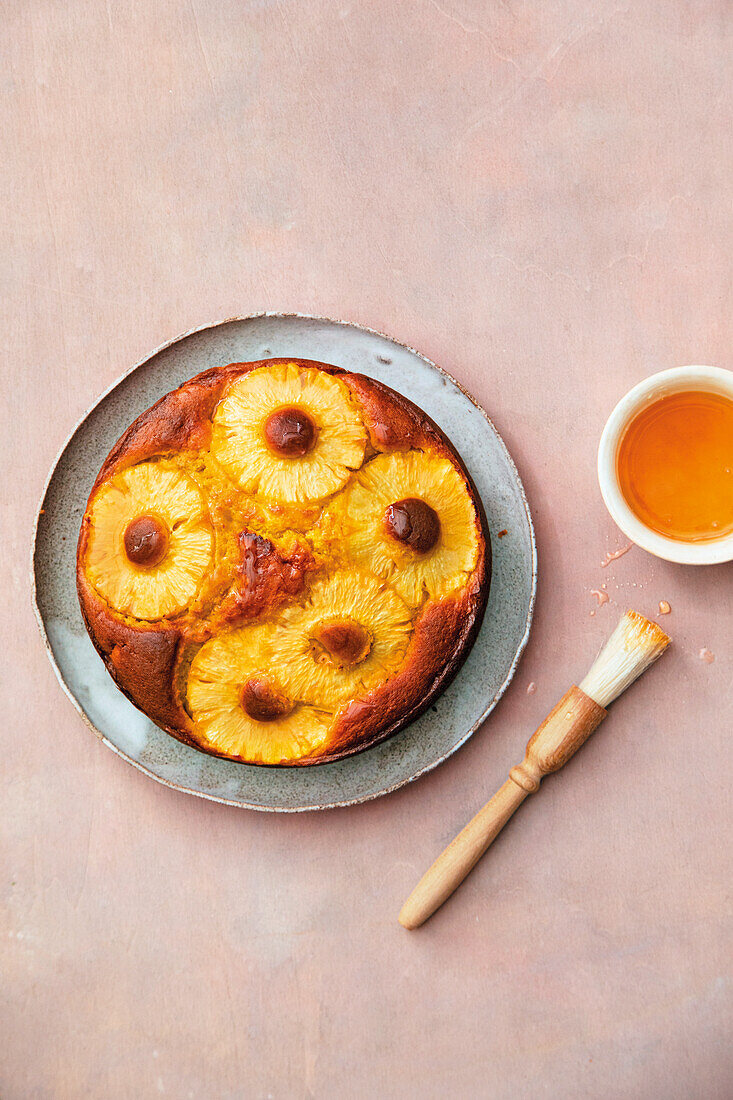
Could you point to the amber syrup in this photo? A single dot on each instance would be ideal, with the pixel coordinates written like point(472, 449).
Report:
point(675, 466)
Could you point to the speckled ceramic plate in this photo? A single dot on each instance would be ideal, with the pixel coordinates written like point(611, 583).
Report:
point(424, 744)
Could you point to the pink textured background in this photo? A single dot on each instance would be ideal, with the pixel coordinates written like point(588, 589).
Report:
point(537, 195)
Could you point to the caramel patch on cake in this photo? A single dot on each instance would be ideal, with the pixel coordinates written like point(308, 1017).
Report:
point(265, 577)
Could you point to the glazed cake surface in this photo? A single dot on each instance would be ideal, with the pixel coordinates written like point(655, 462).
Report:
point(282, 562)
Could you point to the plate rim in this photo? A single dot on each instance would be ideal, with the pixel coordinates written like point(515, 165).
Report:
point(492, 703)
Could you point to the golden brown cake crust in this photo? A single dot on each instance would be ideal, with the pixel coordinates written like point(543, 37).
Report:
point(141, 659)
point(149, 661)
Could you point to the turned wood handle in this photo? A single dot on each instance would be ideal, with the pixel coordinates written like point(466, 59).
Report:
point(561, 734)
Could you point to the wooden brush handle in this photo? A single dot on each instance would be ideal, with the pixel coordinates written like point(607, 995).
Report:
point(561, 734)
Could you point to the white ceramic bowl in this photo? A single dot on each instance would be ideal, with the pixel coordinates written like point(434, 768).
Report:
point(677, 380)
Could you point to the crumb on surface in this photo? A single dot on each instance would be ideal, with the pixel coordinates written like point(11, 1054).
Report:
point(501, 533)
point(664, 607)
point(706, 655)
point(531, 687)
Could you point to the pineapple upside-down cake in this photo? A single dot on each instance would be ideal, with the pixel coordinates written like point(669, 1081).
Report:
point(282, 562)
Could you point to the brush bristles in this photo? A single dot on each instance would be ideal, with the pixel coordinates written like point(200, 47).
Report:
point(634, 645)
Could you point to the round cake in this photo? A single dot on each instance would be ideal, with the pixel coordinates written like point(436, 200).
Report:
point(282, 562)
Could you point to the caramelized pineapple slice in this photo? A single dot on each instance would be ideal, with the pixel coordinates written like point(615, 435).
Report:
point(150, 541)
point(289, 434)
point(351, 635)
point(408, 518)
point(241, 707)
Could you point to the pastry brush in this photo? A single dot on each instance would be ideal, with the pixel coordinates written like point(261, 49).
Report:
point(634, 645)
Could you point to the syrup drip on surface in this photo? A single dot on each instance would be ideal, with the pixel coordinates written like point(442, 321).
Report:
point(675, 466)
point(616, 554)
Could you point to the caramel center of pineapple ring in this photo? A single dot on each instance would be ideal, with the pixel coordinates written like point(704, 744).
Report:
point(262, 701)
point(290, 432)
point(413, 523)
point(341, 642)
point(146, 540)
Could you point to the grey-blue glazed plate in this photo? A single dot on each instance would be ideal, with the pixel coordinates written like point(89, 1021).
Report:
point(458, 712)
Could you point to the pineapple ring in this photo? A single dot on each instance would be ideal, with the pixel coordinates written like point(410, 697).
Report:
point(400, 476)
point(296, 648)
point(220, 673)
point(240, 445)
point(171, 499)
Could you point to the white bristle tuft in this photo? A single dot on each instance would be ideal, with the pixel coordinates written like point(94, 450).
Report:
point(634, 645)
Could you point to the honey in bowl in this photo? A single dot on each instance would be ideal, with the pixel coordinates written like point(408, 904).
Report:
point(675, 466)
